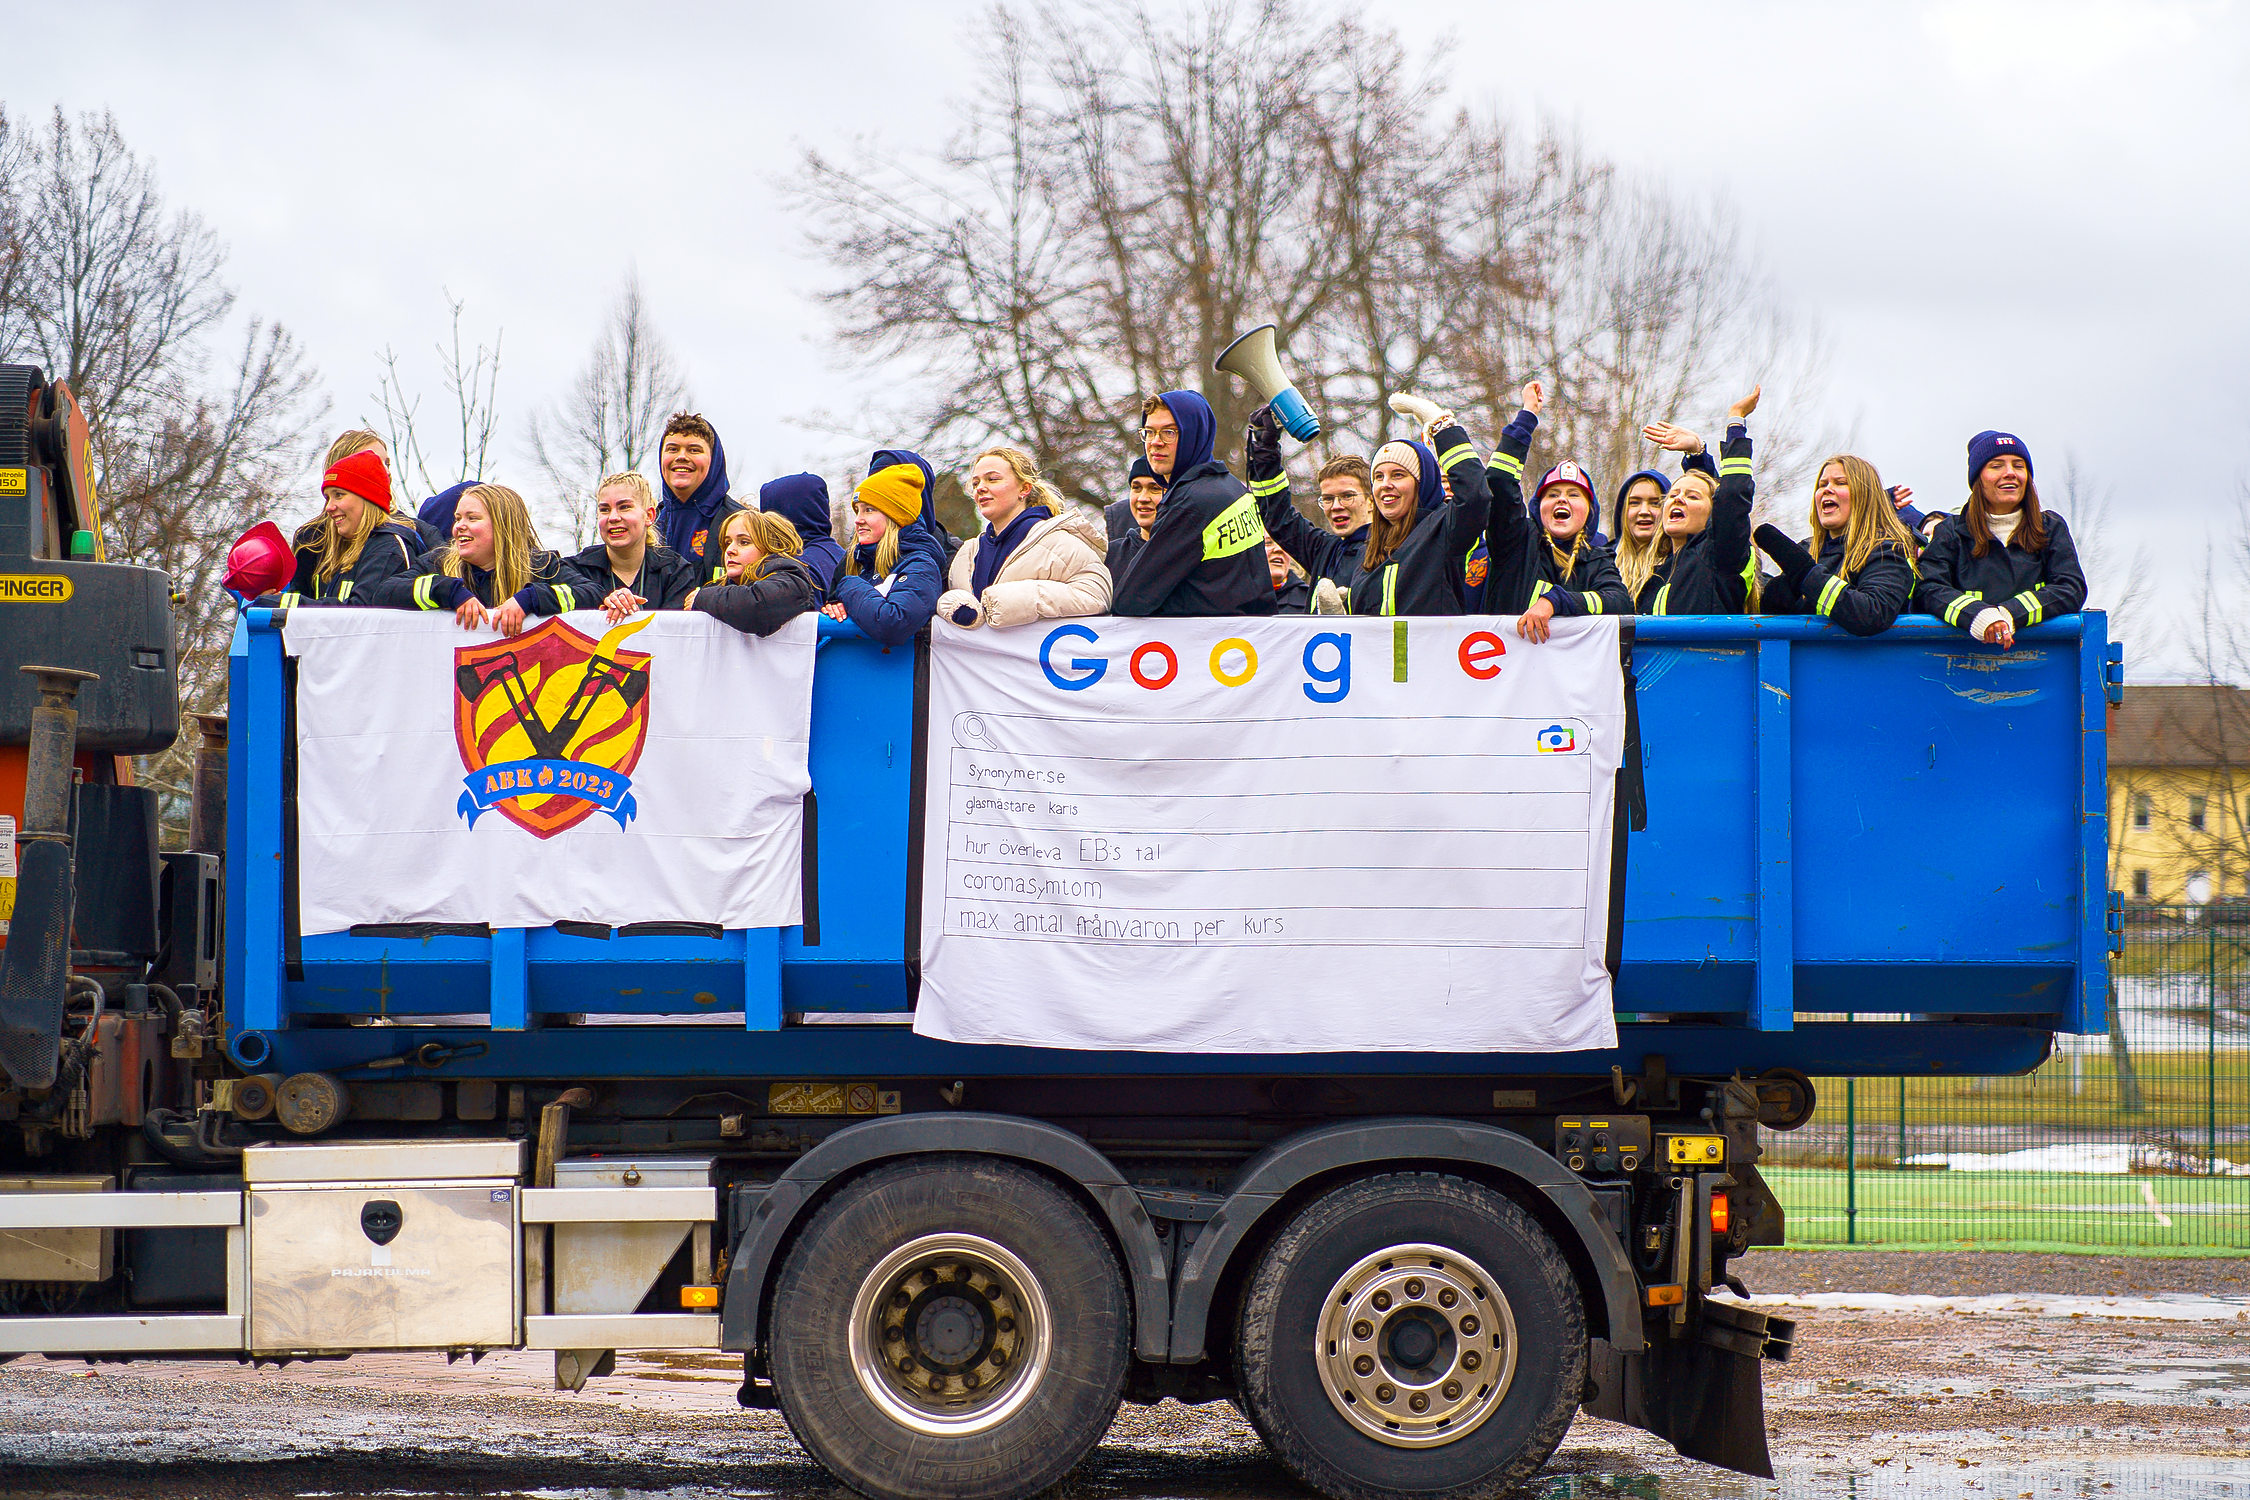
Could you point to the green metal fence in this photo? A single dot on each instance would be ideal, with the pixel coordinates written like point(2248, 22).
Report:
point(2137, 1142)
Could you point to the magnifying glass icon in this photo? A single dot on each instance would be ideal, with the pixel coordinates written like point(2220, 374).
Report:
point(973, 729)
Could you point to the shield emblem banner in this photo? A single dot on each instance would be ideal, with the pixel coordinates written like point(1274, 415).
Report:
point(550, 724)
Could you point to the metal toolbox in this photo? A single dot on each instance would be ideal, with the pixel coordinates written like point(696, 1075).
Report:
point(378, 1245)
point(609, 1267)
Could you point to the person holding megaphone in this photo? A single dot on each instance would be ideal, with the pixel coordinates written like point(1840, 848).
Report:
point(1418, 540)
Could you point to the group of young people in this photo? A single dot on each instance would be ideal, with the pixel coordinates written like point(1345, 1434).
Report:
point(1425, 527)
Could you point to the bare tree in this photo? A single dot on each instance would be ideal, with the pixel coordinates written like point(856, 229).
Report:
point(108, 289)
point(613, 413)
point(1129, 191)
point(472, 381)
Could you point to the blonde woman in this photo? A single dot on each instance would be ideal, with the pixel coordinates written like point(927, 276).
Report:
point(355, 545)
point(630, 568)
point(493, 574)
point(767, 583)
point(1708, 567)
point(1858, 567)
point(1640, 528)
point(1038, 557)
point(895, 569)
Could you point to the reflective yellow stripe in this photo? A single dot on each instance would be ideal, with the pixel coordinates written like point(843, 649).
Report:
point(1508, 464)
point(1390, 590)
point(2034, 611)
point(1593, 602)
point(422, 591)
point(344, 589)
point(1960, 606)
point(1456, 454)
point(1541, 587)
point(1273, 486)
point(1733, 466)
point(290, 600)
point(1663, 600)
point(566, 598)
point(1830, 592)
point(1235, 529)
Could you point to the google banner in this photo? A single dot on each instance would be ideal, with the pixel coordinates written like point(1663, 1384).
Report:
point(1293, 834)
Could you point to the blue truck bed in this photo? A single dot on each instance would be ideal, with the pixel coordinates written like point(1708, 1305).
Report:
point(1910, 830)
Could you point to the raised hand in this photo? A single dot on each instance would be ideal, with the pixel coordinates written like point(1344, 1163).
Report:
point(1534, 398)
point(1261, 443)
point(1746, 405)
point(1673, 439)
point(1900, 494)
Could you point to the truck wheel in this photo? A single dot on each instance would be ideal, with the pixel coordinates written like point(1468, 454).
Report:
point(1412, 1334)
point(950, 1328)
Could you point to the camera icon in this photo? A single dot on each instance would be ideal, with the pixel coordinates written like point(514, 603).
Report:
point(1555, 739)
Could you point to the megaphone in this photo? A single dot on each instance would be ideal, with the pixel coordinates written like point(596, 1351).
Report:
point(1253, 358)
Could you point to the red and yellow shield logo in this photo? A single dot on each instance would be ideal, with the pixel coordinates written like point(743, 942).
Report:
point(550, 724)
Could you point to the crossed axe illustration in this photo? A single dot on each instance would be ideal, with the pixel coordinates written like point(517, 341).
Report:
point(603, 674)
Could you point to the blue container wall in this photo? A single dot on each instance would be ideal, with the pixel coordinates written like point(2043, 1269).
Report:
point(1909, 825)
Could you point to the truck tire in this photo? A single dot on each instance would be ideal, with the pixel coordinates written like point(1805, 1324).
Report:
point(1412, 1335)
point(950, 1328)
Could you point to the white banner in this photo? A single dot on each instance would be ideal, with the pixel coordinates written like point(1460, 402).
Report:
point(1292, 834)
point(648, 771)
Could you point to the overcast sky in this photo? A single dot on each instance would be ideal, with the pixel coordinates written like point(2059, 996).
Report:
point(2034, 216)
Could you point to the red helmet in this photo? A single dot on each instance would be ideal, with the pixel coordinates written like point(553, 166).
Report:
point(261, 562)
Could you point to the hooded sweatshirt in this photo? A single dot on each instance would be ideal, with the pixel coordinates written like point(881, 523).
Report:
point(890, 611)
point(1204, 555)
point(802, 501)
point(927, 521)
point(1522, 565)
point(1426, 573)
point(436, 515)
point(690, 527)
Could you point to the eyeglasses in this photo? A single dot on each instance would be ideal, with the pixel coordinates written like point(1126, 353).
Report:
point(1159, 434)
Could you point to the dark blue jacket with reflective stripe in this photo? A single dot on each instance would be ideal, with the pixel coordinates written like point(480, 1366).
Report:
point(1863, 605)
point(1957, 584)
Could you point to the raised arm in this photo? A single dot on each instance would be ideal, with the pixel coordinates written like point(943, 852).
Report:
point(1511, 531)
point(1319, 552)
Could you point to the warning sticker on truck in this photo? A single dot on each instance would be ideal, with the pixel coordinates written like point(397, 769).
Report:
point(830, 1099)
point(15, 481)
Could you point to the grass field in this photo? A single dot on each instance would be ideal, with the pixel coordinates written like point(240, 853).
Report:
point(2182, 1092)
point(2109, 1215)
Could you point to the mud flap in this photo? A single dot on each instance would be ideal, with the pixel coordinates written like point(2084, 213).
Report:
point(1702, 1393)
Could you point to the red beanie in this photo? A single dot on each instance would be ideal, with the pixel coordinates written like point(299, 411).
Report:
point(363, 475)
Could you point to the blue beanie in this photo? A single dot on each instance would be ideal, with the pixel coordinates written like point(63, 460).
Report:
point(1989, 445)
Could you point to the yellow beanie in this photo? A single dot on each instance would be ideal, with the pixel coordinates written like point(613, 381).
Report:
point(895, 491)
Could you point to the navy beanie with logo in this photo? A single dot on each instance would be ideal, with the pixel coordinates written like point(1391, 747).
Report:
point(1989, 445)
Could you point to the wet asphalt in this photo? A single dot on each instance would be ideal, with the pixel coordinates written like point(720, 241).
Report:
point(1874, 1404)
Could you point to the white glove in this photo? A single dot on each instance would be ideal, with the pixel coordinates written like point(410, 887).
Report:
point(1423, 412)
point(953, 599)
point(1328, 599)
point(1986, 618)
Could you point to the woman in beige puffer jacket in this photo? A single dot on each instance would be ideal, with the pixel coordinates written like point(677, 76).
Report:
point(1038, 558)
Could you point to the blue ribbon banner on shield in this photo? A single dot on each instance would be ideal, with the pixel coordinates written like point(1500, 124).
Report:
point(611, 791)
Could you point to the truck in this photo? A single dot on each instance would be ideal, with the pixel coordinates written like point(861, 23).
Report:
point(946, 1264)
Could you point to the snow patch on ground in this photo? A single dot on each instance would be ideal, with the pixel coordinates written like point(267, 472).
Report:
point(2168, 1307)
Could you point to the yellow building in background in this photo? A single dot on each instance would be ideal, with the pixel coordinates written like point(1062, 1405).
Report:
point(2179, 793)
